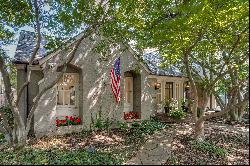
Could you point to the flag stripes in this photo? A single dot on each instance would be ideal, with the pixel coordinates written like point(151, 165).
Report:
point(115, 80)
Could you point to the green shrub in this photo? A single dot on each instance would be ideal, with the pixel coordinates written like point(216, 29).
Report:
point(2, 138)
point(7, 111)
point(123, 126)
point(206, 146)
point(100, 123)
point(139, 130)
point(177, 114)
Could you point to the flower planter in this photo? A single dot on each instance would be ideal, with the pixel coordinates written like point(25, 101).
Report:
point(68, 121)
point(131, 115)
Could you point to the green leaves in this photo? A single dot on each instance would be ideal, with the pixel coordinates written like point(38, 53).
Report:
point(208, 147)
point(177, 114)
point(57, 157)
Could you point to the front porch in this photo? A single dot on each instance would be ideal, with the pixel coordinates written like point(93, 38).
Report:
point(169, 89)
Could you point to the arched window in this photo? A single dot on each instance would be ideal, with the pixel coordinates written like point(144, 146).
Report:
point(67, 90)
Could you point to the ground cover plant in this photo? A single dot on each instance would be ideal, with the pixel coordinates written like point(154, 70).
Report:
point(85, 148)
point(225, 144)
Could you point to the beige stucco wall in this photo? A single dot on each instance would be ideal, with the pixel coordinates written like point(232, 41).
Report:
point(96, 94)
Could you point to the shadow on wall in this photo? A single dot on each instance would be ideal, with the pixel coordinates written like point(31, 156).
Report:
point(96, 81)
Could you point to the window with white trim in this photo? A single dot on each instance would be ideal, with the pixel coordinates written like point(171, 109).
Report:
point(177, 87)
point(67, 89)
point(158, 94)
point(129, 90)
point(168, 90)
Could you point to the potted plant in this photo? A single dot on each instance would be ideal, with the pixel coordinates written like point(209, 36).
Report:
point(167, 105)
point(183, 105)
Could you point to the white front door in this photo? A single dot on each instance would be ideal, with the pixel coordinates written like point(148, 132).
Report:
point(128, 104)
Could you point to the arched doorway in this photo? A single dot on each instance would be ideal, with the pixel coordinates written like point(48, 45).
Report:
point(132, 94)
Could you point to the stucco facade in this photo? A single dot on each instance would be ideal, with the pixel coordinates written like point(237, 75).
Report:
point(94, 92)
point(95, 88)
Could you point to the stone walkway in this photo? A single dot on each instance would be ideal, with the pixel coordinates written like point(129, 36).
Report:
point(156, 150)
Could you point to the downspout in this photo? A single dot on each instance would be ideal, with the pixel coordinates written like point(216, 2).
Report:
point(27, 96)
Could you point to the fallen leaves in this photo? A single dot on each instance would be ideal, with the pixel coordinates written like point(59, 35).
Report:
point(231, 138)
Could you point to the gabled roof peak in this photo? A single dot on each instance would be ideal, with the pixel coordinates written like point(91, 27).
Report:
point(26, 45)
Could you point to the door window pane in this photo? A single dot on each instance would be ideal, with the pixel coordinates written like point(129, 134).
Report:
point(60, 98)
point(128, 90)
point(177, 91)
point(72, 95)
point(169, 90)
point(66, 97)
point(158, 95)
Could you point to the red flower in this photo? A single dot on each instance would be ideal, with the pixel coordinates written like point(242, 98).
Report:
point(58, 122)
point(78, 120)
point(131, 115)
point(66, 117)
point(71, 118)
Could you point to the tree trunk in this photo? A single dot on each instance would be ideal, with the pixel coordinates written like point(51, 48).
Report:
point(199, 131)
point(199, 125)
point(193, 87)
point(241, 112)
point(233, 115)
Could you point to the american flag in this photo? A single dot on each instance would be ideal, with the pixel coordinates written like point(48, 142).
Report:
point(115, 80)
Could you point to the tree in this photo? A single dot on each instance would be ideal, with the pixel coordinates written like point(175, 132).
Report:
point(16, 14)
point(208, 40)
point(218, 45)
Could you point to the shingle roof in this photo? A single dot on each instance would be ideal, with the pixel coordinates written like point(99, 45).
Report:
point(25, 47)
point(153, 59)
point(26, 44)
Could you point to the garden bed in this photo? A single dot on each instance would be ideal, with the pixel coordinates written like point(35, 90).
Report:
point(165, 118)
point(91, 148)
point(224, 145)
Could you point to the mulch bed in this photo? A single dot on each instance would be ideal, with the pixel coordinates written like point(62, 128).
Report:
point(165, 118)
point(233, 139)
point(97, 139)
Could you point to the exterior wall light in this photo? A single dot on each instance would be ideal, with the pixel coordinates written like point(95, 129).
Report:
point(187, 87)
point(157, 85)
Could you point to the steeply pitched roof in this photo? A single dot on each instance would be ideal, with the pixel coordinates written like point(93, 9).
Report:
point(25, 47)
point(26, 44)
point(153, 60)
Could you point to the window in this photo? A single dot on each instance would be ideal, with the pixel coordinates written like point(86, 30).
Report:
point(158, 95)
point(67, 90)
point(128, 89)
point(169, 90)
point(177, 87)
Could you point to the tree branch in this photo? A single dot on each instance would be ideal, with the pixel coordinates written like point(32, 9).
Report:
point(186, 54)
point(219, 100)
point(227, 109)
point(34, 53)
point(71, 55)
point(8, 90)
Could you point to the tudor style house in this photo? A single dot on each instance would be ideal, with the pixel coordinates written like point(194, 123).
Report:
point(85, 88)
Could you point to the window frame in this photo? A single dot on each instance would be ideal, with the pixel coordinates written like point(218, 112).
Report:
point(128, 88)
point(76, 89)
point(171, 90)
point(159, 94)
